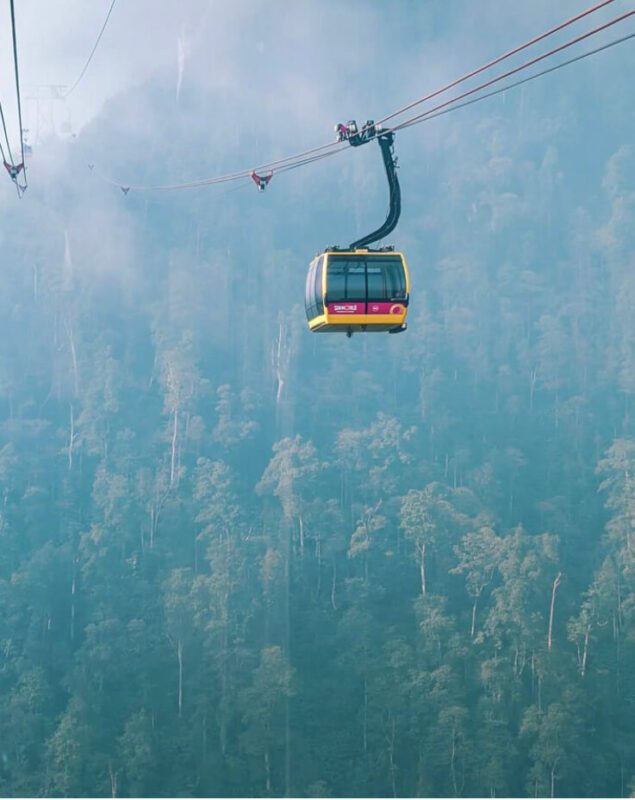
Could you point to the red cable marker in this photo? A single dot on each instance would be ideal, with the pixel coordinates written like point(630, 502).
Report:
point(261, 181)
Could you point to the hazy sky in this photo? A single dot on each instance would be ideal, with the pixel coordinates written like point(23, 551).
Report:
point(306, 54)
point(260, 79)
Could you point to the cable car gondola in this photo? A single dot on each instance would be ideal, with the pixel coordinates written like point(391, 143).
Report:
point(356, 288)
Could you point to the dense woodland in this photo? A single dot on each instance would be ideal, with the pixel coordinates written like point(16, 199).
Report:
point(240, 559)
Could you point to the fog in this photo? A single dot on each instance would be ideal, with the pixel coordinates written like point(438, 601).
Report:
point(241, 559)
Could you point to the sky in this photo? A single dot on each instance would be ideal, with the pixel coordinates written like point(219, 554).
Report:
point(187, 89)
point(324, 59)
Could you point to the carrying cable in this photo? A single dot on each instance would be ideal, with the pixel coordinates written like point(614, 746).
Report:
point(425, 117)
point(496, 61)
point(92, 52)
point(518, 69)
point(211, 181)
point(2, 155)
point(455, 106)
point(327, 150)
point(17, 83)
point(11, 167)
point(6, 139)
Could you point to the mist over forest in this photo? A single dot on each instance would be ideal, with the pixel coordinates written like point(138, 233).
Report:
point(241, 559)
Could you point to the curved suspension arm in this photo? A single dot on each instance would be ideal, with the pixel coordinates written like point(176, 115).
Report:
point(385, 141)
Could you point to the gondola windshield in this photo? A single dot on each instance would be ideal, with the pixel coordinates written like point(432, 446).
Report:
point(356, 277)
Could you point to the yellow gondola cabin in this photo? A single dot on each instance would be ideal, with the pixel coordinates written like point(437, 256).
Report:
point(359, 290)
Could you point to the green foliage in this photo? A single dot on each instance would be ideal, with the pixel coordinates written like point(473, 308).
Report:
point(237, 559)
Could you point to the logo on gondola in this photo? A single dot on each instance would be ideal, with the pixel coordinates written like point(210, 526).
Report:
point(345, 309)
point(397, 309)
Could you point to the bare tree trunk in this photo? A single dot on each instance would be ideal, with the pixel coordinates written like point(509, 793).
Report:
point(301, 536)
point(585, 651)
point(267, 771)
point(224, 702)
point(73, 589)
point(553, 781)
point(318, 555)
point(71, 339)
point(473, 627)
point(554, 589)
point(422, 566)
point(532, 387)
point(365, 718)
point(179, 653)
point(391, 755)
point(533, 673)
point(155, 514)
point(452, 768)
point(175, 430)
point(152, 524)
point(333, 586)
point(71, 437)
point(620, 616)
point(622, 793)
point(287, 748)
point(113, 780)
point(280, 359)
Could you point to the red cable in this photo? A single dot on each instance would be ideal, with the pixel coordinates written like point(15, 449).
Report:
point(456, 82)
point(493, 63)
point(515, 70)
point(492, 81)
point(333, 147)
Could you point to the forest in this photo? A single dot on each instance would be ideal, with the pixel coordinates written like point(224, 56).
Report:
point(241, 559)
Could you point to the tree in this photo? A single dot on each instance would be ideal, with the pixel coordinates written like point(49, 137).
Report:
point(479, 554)
point(263, 713)
point(435, 513)
point(179, 618)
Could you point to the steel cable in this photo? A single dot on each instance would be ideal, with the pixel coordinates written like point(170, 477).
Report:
point(326, 150)
point(92, 52)
point(17, 87)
